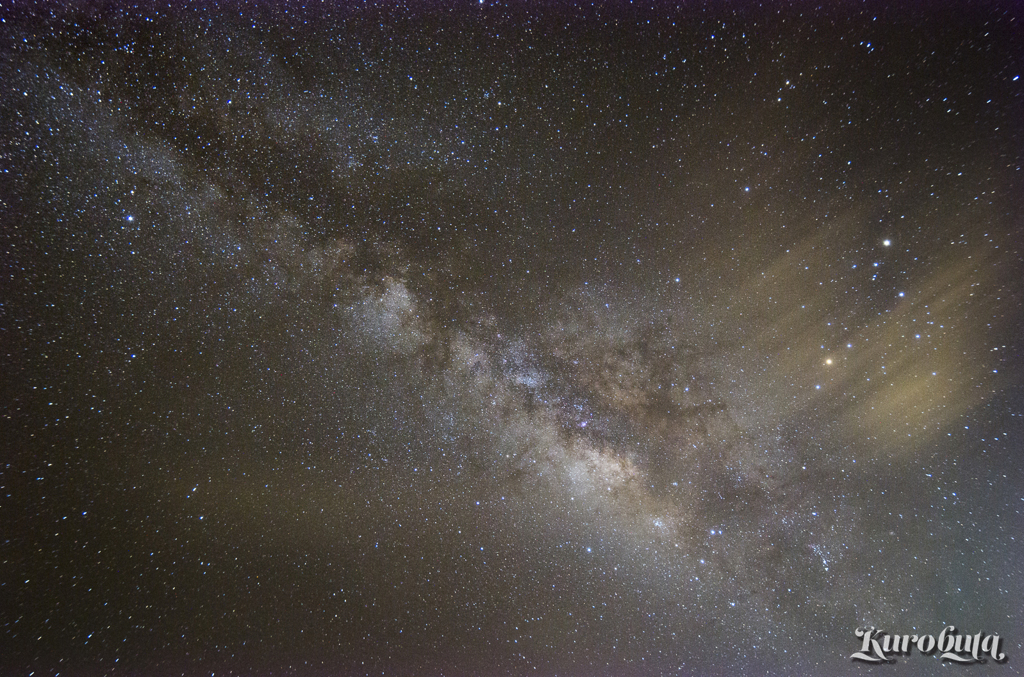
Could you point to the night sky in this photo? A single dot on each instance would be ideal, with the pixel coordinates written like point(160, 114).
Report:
point(509, 339)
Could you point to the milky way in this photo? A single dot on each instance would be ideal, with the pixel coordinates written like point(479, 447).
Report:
point(486, 339)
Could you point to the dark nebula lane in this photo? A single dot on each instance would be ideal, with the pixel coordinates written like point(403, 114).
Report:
point(485, 338)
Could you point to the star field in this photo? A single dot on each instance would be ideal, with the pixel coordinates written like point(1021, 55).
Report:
point(486, 338)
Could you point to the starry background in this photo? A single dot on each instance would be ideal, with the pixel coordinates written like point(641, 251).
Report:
point(508, 339)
